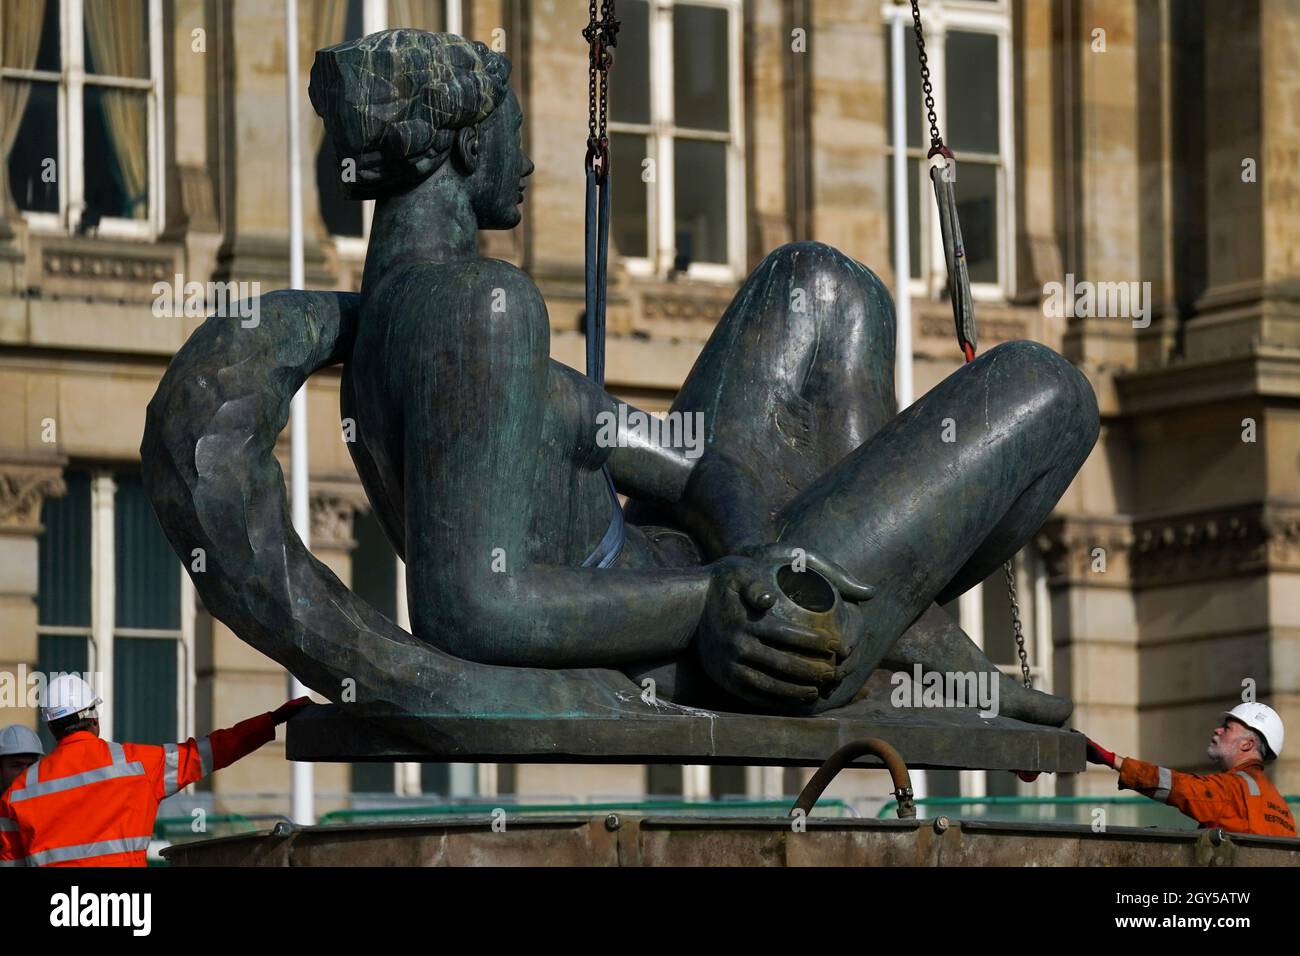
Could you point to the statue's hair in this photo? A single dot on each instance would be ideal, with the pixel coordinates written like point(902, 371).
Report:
point(392, 101)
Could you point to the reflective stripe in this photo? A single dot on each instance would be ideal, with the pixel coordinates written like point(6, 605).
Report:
point(7, 824)
point(21, 861)
point(1165, 783)
point(83, 851)
point(115, 750)
point(33, 775)
point(171, 769)
point(1250, 782)
point(205, 756)
point(133, 769)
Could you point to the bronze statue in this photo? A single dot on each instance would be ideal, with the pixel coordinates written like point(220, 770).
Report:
point(803, 548)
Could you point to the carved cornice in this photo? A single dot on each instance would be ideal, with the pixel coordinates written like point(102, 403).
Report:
point(1170, 550)
point(699, 307)
point(1094, 552)
point(990, 330)
point(332, 511)
point(23, 490)
point(86, 264)
point(1216, 544)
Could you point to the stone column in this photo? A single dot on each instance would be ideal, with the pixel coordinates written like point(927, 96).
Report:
point(768, 66)
point(254, 146)
point(1252, 181)
point(1095, 658)
point(23, 490)
point(1101, 212)
point(850, 195)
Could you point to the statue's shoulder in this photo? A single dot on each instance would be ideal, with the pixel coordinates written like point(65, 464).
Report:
point(468, 283)
point(483, 306)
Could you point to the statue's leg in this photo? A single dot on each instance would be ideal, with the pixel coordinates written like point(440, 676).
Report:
point(798, 375)
point(941, 496)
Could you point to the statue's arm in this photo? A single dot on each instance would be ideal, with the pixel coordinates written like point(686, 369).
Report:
point(475, 409)
point(684, 480)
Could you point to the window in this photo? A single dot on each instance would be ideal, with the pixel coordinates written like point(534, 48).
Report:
point(147, 645)
point(968, 50)
point(674, 121)
point(112, 599)
point(63, 621)
point(79, 107)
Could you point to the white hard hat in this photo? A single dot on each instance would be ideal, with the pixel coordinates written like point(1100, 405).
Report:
point(67, 694)
point(17, 739)
point(1264, 721)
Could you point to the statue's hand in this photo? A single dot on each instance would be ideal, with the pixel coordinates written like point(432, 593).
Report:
point(773, 634)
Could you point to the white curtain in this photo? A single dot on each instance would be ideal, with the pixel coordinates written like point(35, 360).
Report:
point(118, 36)
point(20, 37)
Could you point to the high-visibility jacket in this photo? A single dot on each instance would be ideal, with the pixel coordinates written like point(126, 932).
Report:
point(92, 802)
point(1239, 801)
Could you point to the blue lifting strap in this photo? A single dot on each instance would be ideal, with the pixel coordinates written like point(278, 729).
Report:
point(607, 551)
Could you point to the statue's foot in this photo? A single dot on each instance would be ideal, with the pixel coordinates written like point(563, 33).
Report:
point(935, 644)
point(1032, 706)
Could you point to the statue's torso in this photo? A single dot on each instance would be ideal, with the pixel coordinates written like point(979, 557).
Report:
point(402, 340)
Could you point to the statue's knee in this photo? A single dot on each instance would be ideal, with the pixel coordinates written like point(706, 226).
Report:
point(1052, 381)
point(814, 272)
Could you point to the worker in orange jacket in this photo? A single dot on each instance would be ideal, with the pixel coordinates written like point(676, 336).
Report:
point(1240, 798)
point(92, 802)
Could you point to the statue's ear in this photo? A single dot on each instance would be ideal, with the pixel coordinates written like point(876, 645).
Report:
point(465, 151)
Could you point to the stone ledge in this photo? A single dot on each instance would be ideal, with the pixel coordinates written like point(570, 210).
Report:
point(950, 738)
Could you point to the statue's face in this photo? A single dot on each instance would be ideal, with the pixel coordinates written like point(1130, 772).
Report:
point(498, 186)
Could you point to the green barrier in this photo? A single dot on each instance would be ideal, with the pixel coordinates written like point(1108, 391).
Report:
point(756, 808)
point(1127, 811)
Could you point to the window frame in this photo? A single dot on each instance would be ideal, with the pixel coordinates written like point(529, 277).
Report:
point(938, 19)
point(103, 631)
point(71, 81)
point(661, 133)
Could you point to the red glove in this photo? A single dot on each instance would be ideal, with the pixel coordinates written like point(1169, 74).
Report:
point(285, 711)
point(1099, 754)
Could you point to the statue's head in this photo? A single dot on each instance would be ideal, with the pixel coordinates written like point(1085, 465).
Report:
point(404, 104)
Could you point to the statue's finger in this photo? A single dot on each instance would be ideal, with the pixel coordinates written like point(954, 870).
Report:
point(758, 595)
point(785, 665)
point(785, 634)
point(771, 687)
point(850, 588)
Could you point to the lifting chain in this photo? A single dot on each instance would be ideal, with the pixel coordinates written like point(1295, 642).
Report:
point(601, 34)
point(966, 330)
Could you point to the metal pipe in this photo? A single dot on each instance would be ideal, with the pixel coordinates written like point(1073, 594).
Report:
point(846, 755)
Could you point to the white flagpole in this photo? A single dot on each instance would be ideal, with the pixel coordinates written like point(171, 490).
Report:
point(303, 799)
point(902, 242)
point(902, 234)
point(455, 17)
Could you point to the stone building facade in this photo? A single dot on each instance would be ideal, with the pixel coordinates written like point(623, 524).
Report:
point(1101, 142)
